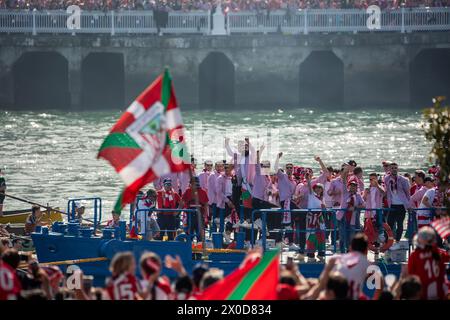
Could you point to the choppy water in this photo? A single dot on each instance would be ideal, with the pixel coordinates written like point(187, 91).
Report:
point(51, 156)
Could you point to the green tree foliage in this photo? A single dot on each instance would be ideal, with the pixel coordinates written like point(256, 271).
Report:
point(437, 130)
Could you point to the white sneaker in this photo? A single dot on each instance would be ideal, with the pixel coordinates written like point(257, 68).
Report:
point(293, 247)
point(311, 259)
point(395, 246)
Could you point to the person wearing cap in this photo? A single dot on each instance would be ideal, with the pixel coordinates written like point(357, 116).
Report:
point(173, 176)
point(346, 215)
point(168, 198)
point(424, 217)
point(427, 262)
point(2, 191)
point(204, 175)
point(398, 200)
point(418, 189)
point(188, 202)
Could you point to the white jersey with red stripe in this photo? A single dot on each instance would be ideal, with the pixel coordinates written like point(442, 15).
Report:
point(161, 290)
point(353, 266)
point(124, 287)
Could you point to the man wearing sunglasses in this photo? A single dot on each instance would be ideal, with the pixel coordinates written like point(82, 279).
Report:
point(398, 199)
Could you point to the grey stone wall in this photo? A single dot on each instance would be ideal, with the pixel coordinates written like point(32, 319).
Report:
point(376, 65)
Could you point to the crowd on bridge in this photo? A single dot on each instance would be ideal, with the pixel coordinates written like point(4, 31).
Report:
point(227, 5)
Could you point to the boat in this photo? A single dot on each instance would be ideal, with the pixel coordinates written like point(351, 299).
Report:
point(20, 216)
point(70, 243)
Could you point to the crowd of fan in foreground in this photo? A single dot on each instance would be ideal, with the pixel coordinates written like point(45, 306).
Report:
point(227, 5)
point(343, 277)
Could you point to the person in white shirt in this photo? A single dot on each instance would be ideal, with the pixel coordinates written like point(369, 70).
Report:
point(424, 217)
point(354, 265)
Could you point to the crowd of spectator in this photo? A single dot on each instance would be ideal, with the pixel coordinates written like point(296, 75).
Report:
point(227, 5)
point(339, 279)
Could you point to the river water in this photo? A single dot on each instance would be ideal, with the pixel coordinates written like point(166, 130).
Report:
point(50, 156)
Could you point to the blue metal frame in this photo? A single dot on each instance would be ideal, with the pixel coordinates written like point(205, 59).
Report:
point(411, 222)
point(97, 209)
point(150, 210)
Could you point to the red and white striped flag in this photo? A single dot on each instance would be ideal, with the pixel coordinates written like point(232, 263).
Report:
point(442, 227)
point(147, 141)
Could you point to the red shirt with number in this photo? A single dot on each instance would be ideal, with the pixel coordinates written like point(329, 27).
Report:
point(124, 287)
point(430, 271)
point(9, 283)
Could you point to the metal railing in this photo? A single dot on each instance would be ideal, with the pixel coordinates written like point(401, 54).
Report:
point(338, 20)
point(112, 22)
point(334, 229)
point(199, 22)
point(97, 208)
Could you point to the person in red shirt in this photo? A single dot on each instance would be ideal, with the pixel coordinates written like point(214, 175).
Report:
point(188, 201)
point(168, 198)
point(123, 284)
point(9, 282)
point(427, 263)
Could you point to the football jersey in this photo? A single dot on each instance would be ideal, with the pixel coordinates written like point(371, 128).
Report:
point(124, 287)
point(430, 272)
point(353, 266)
point(9, 283)
point(161, 289)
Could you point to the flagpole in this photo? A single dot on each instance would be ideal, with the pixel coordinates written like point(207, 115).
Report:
point(199, 215)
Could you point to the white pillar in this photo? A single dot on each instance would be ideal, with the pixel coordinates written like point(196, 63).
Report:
point(218, 22)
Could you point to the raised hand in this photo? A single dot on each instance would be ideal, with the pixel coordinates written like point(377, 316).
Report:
point(280, 154)
point(317, 158)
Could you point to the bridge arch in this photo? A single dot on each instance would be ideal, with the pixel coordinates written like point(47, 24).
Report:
point(429, 76)
point(41, 81)
point(103, 81)
point(216, 81)
point(321, 80)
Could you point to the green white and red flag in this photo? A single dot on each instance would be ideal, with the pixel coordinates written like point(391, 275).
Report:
point(256, 279)
point(147, 141)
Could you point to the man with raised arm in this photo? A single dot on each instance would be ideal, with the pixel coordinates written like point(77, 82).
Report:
point(301, 197)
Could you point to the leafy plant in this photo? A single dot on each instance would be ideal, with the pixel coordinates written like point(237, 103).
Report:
point(437, 130)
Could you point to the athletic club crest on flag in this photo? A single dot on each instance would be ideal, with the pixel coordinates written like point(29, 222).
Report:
point(149, 130)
